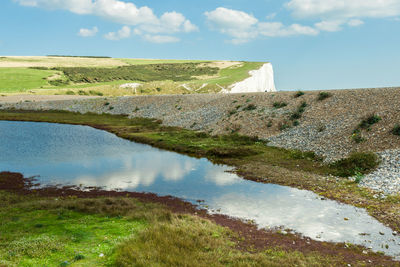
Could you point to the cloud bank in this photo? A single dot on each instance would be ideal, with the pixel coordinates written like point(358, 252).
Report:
point(142, 18)
point(243, 27)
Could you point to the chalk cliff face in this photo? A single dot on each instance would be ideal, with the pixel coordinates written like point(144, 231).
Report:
point(261, 80)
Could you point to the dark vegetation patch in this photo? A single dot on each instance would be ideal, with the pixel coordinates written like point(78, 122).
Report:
point(396, 130)
point(58, 82)
point(279, 104)
point(356, 162)
point(295, 116)
point(323, 95)
point(369, 121)
point(250, 107)
point(298, 94)
point(96, 93)
point(365, 124)
point(143, 73)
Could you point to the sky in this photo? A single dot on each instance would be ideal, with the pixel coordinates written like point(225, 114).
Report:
point(312, 44)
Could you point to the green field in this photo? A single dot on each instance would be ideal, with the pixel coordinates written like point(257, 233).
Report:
point(78, 75)
point(23, 79)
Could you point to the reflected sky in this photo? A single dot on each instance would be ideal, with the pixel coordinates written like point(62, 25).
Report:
point(74, 155)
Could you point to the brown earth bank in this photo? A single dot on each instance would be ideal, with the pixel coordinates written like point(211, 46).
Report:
point(251, 239)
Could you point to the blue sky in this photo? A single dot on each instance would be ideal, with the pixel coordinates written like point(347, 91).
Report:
point(313, 44)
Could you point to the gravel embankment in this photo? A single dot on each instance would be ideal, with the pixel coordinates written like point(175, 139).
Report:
point(325, 127)
point(387, 177)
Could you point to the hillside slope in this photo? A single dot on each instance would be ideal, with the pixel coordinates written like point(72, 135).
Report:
point(117, 77)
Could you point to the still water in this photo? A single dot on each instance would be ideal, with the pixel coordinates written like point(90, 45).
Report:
point(80, 155)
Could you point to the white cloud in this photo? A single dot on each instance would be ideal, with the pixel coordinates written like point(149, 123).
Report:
point(235, 23)
point(121, 12)
point(355, 22)
point(75, 6)
point(277, 29)
point(330, 26)
point(243, 27)
point(161, 39)
point(170, 22)
point(88, 32)
point(342, 9)
point(124, 32)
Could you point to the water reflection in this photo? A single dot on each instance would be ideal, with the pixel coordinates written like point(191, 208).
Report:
point(81, 155)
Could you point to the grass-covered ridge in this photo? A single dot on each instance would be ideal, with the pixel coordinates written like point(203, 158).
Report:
point(142, 73)
point(58, 75)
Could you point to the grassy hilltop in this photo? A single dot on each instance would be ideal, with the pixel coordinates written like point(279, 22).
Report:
point(104, 76)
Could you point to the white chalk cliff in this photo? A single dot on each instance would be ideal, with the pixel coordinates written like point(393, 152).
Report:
point(261, 80)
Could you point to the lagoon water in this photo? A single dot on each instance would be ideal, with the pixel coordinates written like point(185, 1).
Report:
point(80, 155)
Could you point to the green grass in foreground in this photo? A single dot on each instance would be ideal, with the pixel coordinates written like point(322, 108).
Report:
point(122, 232)
point(23, 79)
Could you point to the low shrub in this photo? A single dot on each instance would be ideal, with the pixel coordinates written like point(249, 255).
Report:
point(323, 95)
point(70, 92)
point(81, 92)
point(358, 177)
point(298, 94)
point(369, 121)
point(396, 130)
point(298, 113)
point(58, 82)
point(362, 162)
point(321, 128)
point(283, 126)
point(295, 116)
point(357, 136)
point(250, 107)
point(232, 112)
point(279, 104)
point(95, 93)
